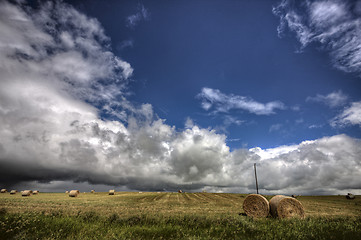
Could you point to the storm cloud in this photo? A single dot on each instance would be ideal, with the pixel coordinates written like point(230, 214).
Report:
point(59, 78)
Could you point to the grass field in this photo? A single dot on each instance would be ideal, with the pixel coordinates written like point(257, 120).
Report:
point(169, 216)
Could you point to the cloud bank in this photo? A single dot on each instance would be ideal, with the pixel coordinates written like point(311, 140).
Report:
point(333, 24)
point(65, 119)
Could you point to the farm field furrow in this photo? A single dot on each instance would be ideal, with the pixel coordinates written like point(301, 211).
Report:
point(149, 215)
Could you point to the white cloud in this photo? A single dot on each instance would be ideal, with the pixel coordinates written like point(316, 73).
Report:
point(275, 127)
point(213, 98)
point(332, 100)
point(229, 120)
point(202, 150)
point(324, 14)
point(74, 59)
point(189, 123)
point(273, 152)
point(46, 75)
point(127, 69)
point(142, 14)
point(52, 137)
point(350, 116)
point(332, 23)
point(295, 108)
point(125, 44)
point(314, 126)
point(299, 121)
point(324, 166)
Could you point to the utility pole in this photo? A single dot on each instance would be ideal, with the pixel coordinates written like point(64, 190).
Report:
point(255, 173)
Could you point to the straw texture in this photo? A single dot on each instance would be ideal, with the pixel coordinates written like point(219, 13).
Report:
point(73, 193)
point(26, 193)
point(256, 206)
point(286, 207)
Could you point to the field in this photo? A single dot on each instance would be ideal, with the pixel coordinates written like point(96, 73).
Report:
point(133, 215)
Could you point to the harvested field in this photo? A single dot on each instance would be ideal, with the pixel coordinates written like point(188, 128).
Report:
point(130, 215)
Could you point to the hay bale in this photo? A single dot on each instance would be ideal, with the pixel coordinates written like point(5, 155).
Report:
point(12, 192)
point(286, 207)
point(180, 191)
point(294, 196)
point(74, 193)
point(4, 190)
point(26, 193)
point(66, 192)
point(112, 192)
point(92, 191)
point(350, 196)
point(35, 192)
point(256, 206)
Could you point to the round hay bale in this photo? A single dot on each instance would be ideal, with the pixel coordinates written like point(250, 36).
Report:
point(26, 193)
point(73, 193)
point(66, 192)
point(35, 192)
point(350, 196)
point(92, 191)
point(12, 192)
point(112, 192)
point(256, 206)
point(4, 190)
point(180, 191)
point(294, 196)
point(286, 207)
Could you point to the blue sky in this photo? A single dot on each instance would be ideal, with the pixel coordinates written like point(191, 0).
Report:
point(167, 95)
point(178, 49)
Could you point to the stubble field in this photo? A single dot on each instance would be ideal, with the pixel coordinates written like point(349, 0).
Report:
point(148, 215)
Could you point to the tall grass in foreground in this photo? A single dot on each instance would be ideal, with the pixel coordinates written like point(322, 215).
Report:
point(91, 225)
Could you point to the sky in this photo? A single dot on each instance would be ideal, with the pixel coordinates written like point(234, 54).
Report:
point(166, 95)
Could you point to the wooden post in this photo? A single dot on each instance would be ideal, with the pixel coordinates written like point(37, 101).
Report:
point(255, 173)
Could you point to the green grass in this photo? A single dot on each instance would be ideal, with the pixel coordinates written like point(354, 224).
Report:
point(169, 216)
